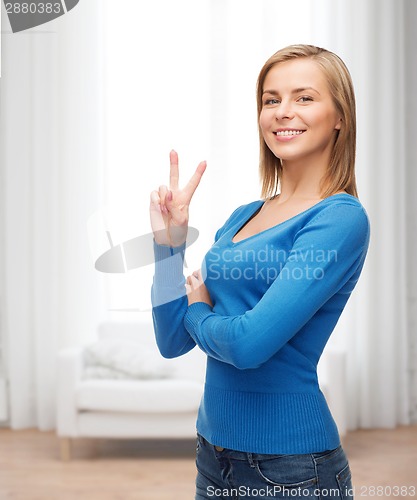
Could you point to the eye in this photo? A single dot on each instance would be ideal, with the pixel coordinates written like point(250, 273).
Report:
point(271, 102)
point(305, 98)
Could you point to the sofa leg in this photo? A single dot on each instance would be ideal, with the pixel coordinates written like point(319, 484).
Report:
point(65, 446)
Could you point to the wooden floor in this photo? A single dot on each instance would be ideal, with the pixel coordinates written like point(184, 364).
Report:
point(30, 468)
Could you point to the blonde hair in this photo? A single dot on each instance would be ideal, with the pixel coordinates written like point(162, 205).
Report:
point(340, 174)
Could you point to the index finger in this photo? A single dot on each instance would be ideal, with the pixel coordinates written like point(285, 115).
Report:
point(195, 179)
point(174, 174)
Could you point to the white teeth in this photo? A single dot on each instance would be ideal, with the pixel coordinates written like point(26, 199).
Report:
point(289, 132)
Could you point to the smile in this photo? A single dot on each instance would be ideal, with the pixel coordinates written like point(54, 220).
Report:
point(284, 133)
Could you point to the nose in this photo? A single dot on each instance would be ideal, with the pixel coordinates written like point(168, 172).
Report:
point(284, 110)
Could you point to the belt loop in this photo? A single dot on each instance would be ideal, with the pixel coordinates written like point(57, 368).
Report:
point(250, 460)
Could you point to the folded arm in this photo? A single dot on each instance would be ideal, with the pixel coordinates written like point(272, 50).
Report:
point(246, 341)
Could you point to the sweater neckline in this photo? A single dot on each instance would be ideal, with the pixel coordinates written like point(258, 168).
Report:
point(260, 204)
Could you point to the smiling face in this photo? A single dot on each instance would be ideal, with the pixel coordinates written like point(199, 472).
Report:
point(298, 119)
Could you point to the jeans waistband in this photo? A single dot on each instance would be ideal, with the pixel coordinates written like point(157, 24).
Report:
point(243, 455)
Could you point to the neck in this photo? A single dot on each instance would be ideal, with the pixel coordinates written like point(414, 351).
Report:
point(299, 182)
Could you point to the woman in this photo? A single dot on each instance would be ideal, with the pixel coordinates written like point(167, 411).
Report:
point(275, 283)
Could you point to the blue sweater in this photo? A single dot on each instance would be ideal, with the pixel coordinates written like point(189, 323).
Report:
point(277, 297)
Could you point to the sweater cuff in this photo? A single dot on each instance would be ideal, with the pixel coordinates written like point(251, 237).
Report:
point(169, 263)
point(168, 281)
point(194, 316)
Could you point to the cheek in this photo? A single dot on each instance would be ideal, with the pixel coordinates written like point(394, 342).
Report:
point(264, 121)
point(329, 119)
point(321, 123)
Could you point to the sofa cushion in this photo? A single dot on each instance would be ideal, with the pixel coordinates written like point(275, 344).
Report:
point(114, 358)
point(143, 396)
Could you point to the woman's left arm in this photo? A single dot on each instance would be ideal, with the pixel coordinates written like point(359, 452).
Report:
point(341, 233)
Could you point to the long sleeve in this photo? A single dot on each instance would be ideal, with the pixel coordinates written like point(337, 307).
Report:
point(170, 302)
point(338, 238)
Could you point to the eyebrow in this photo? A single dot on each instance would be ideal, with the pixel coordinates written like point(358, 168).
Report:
point(295, 91)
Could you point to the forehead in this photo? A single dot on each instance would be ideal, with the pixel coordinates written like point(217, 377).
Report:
point(297, 73)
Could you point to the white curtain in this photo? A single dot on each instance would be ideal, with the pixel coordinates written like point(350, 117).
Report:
point(410, 16)
point(90, 108)
point(51, 171)
point(370, 37)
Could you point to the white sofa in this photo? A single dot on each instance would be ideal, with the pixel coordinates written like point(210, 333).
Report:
point(128, 408)
point(152, 408)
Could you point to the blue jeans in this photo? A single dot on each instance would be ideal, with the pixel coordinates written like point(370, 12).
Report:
point(228, 474)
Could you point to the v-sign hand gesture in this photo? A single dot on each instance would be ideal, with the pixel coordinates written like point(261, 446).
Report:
point(169, 206)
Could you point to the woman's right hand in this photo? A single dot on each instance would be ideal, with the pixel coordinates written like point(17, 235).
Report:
point(169, 206)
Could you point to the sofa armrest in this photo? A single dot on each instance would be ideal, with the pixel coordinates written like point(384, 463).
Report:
point(69, 374)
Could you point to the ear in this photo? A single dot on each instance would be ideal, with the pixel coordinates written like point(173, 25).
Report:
point(338, 125)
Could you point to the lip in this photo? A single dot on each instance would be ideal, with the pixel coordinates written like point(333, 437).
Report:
point(286, 138)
